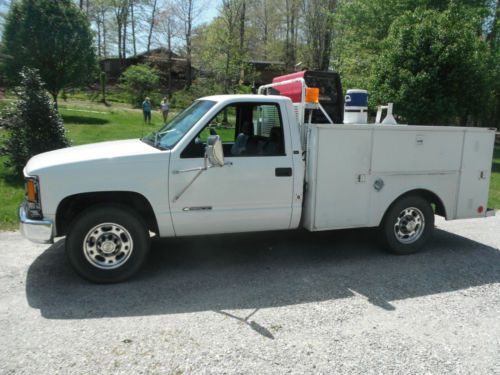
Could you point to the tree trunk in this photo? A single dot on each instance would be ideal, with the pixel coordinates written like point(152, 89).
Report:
point(226, 73)
point(327, 44)
point(98, 24)
point(119, 27)
point(104, 42)
point(287, 35)
point(493, 40)
point(188, 26)
point(292, 36)
point(54, 97)
point(169, 44)
point(291, 33)
point(151, 26)
point(124, 37)
point(242, 41)
point(132, 21)
point(266, 26)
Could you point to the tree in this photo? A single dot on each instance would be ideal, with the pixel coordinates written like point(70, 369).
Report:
point(102, 81)
point(493, 38)
point(266, 29)
point(319, 31)
point(362, 25)
point(98, 14)
point(139, 81)
point(133, 22)
point(187, 11)
point(53, 37)
point(434, 67)
point(152, 23)
point(121, 10)
point(166, 30)
point(33, 125)
point(292, 15)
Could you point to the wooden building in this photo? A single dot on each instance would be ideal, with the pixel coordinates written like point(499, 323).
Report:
point(167, 63)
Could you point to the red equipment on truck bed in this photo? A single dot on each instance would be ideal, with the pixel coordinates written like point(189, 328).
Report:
point(330, 92)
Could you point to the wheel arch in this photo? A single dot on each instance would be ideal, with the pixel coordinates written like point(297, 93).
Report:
point(431, 197)
point(72, 205)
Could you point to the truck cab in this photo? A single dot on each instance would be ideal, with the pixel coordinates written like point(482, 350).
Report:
point(260, 185)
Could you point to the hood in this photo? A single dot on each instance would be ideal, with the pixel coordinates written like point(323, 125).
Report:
point(90, 152)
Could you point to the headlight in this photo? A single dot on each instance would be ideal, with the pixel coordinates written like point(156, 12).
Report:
point(32, 194)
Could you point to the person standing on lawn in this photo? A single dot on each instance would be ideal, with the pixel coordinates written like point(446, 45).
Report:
point(164, 108)
point(146, 110)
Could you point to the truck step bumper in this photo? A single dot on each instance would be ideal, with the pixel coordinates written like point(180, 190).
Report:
point(490, 212)
point(38, 231)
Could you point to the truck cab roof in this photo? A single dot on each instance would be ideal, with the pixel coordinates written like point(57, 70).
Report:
point(246, 97)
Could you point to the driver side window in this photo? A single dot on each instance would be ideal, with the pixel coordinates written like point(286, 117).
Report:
point(246, 129)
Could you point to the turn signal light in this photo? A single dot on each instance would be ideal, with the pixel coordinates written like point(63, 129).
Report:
point(312, 95)
point(31, 190)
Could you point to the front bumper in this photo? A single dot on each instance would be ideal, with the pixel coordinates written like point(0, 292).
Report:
point(39, 231)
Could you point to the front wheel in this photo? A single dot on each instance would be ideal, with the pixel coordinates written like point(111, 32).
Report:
point(107, 244)
point(408, 225)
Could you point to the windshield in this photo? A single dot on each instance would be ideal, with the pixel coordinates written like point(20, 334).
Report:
point(172, 132)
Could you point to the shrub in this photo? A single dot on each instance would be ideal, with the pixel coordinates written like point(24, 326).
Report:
point(32, 124)
point(139, 81)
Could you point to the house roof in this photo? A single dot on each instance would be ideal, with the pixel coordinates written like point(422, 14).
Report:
point(153, 52)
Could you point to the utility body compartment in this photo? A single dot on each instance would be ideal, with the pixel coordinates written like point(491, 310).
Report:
point(355, 172)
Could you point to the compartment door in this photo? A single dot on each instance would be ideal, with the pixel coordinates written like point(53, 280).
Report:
point(343, 185)
point(475, 174)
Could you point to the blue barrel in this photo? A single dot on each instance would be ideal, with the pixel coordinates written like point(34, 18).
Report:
point(356, 98)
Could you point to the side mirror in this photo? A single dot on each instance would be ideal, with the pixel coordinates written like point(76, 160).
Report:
point(214, 151)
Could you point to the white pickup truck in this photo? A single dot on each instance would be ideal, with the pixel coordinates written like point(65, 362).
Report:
point(266, 169)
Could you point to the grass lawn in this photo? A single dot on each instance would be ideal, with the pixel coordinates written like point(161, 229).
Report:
point(89, 122)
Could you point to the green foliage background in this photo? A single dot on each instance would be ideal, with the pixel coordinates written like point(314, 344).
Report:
point(434, 67)
point(438, 61)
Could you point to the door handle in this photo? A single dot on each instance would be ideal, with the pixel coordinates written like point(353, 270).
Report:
point(283, 172)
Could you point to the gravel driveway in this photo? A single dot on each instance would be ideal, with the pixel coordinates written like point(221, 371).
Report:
point(272, 303)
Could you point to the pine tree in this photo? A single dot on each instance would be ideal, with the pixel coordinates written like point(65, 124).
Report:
point(32, 123)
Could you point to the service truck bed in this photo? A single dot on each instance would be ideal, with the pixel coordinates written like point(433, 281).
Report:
point(355, 172)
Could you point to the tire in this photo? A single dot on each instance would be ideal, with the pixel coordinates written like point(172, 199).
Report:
point(408, 225)
point(107, 244)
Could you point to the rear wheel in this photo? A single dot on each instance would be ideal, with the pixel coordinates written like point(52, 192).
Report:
point(107, 244)
point(408, 225)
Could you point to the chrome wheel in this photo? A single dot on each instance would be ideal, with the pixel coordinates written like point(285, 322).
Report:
point(108, 246)
point(409, 225)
